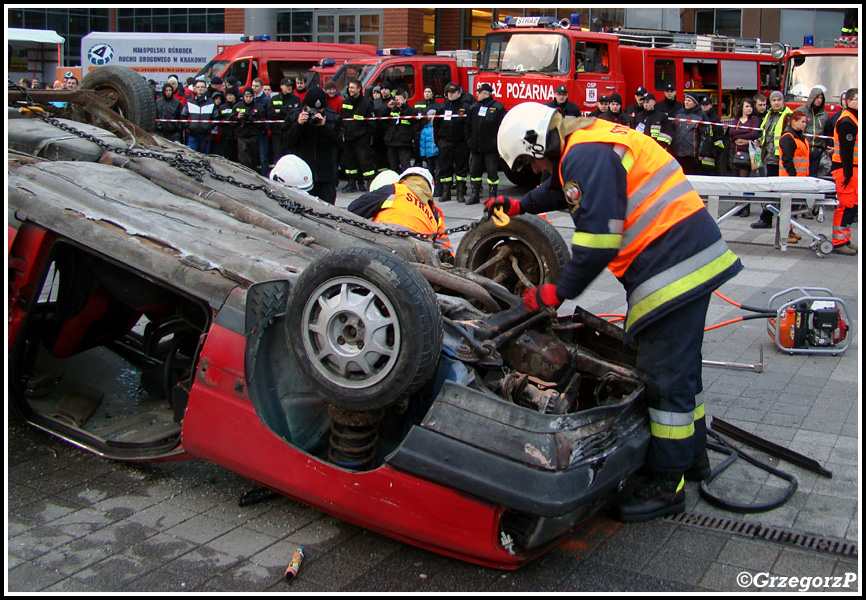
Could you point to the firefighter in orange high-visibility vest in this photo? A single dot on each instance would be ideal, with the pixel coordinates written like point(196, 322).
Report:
point(635, 213)
point(846, 141)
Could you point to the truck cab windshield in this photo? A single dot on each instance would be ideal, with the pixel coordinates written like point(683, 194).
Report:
point(836, 73)
point(526, 53)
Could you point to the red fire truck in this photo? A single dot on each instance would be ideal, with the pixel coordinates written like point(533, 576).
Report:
point(834, 66)
point(527, 58)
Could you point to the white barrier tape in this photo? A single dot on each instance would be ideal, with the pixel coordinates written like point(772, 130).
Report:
point(343, 118)
point(739, 126)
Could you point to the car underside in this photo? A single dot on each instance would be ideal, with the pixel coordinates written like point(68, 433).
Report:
point(166, 305)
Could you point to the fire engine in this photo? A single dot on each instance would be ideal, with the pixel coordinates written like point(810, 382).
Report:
point(527, 58)
point(834, 66)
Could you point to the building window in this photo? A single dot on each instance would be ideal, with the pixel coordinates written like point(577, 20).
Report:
point(170, 20)
point(719, 22)
point(70, 23)
point(345, 26)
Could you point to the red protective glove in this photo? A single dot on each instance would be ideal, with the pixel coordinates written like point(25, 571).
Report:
point(510, 205)
point(534, 299)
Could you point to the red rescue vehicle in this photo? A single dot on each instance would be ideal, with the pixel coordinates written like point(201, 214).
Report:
point(404, 69)
point(271, 61)
point(527, 58)
point(833, 66)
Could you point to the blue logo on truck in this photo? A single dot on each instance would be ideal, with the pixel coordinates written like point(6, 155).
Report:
point(100, 54)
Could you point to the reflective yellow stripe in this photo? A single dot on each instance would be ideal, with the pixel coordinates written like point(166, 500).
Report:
point(603, 241)
point(389, 202)
point(700, 411)
point(679, 287)
point(672, 432)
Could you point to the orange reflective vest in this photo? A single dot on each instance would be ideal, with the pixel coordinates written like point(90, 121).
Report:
point(836, 156)
point(801, 156)
point(659, 198)
point(408, 210)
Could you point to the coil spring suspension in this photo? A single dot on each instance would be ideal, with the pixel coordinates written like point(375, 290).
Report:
point(354, 437)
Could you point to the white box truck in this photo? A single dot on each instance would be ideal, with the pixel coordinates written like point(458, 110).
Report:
point(154, 55)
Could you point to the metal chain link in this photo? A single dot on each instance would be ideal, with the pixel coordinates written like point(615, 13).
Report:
point(198, 167)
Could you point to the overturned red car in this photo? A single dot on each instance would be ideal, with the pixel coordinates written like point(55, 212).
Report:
point(167, 305)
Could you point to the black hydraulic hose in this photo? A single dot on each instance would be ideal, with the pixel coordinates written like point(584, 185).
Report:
point(724, 447)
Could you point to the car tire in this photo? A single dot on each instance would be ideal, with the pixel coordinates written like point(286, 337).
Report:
point(364, 327)
point(540, 250)
point(135, 99)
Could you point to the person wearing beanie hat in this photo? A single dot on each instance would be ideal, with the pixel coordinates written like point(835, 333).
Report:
point(216, 85)
point(771, 131)
point(280, 106)
point(692, 138)
point(313, 131)
point(170, 108)
point(614, 112)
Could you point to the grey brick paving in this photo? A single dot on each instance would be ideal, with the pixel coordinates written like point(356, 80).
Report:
point(77, 523)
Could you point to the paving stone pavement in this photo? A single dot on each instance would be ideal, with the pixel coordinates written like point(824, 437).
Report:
point(78, 523)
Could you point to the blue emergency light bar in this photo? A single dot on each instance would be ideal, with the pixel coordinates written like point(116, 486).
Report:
point(808, 40)
point(396, 52)
point(255, 38)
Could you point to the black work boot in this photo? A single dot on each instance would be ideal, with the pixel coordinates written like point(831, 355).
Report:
point(350, 186)
point(493, 190)
point(700, 469)
point(461, 191)
point(475, 198)
point(659, 495)
point(446, 192)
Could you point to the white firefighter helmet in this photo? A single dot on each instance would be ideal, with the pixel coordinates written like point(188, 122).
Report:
point(292, 171)
point(421, 172)
point(386, 177)
point(523, 132)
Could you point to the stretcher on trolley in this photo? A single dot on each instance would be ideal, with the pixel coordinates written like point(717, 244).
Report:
point(786, 197)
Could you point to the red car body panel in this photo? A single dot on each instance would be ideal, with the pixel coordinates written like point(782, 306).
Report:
point(220, 420)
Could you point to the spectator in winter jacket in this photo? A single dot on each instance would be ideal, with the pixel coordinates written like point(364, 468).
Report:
point(428, 150)
point(281, 105)
point(198, 111)
point(818, 118)
point(482, 128)
point(670, 105)
point(357, 159)
point(227, 113)
point(654, 123)
point(313, 131)
point(691, 138)
point(614, 112)
point(248, 115)
point(561, 103)
point(399, 132)
point(601, 107)
point(717, 135)
point(168, 107)
point(450, 134)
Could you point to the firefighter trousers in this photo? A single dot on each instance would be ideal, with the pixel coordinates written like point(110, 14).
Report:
point(453, 161)
point(844, 214)
point(357, 159)
point(669, 364)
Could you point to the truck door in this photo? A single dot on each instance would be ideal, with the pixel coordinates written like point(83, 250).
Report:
point(437, 76)
point(241, 70)
point(401, 77)
point(592, 73)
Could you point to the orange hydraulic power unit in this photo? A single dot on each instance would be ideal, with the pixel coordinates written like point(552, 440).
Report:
point(809, 321)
